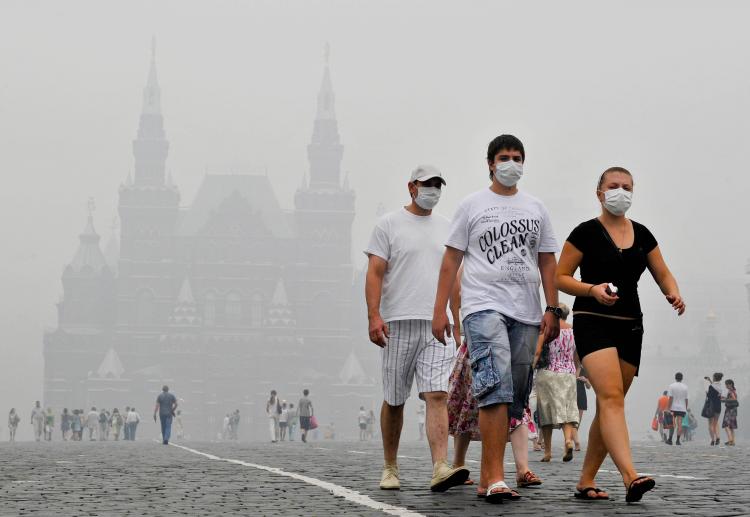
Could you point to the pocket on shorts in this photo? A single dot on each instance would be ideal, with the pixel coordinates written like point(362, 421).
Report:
point(484, 374)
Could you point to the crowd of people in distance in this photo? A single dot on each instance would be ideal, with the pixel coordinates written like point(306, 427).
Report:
point(98, 424)
point(230, 426)
point(673, 415)
point(79, 425)
point(283, 418)
point(366, 424)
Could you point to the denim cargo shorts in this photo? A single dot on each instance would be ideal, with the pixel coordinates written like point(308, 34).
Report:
point(501, 350)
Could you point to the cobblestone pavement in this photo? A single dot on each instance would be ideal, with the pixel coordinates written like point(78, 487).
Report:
point(147, 478)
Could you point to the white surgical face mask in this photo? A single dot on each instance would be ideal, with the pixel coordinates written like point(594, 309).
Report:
point(427, 197)
point(617, 201)
point(508, 173)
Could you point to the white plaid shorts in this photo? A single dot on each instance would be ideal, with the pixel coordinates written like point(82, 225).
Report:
point(411, 350)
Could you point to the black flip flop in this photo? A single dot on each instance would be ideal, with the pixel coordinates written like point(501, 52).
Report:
point(583, 493)
point(638, 487)
point(568, 453)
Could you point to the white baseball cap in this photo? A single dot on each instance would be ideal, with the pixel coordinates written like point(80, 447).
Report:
point(426, 172)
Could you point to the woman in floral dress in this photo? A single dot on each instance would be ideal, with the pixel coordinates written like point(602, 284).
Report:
point(729, 424)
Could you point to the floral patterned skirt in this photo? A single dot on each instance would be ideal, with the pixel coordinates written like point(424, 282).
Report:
point(463, 413)
point(730, 419)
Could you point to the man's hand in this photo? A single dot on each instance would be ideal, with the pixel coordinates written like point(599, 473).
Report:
point(550, 327)
point(441, 326)
point(154, 417)
point(379, 332)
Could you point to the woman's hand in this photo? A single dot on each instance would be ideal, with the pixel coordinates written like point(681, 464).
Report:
point(677, 303)
point(599, 292)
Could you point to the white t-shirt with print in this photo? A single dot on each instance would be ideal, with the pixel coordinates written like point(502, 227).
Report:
point(501, 237)
point(413, 247)
point(679, 393)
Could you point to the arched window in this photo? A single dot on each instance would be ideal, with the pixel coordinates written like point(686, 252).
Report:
point(145, 307)
point(256, 310)
point(209, 309)
point(234, 308)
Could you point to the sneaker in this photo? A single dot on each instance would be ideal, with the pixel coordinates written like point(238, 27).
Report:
point(389, 480)
point(445, 476)
point(669, 442)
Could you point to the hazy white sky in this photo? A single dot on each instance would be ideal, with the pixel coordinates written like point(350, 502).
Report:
point(662, 91)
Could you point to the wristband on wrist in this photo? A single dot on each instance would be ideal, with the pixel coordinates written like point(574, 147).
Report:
point(588, 293)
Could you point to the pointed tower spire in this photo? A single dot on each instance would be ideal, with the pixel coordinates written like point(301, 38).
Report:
point(89, 257)
point(150, 146)
point(325, 149)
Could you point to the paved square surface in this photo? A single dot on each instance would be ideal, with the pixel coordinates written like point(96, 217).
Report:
point(336, 478)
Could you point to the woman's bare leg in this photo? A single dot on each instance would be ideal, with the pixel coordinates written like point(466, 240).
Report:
point(547, 435)
point(460, 446)
point(611, 378)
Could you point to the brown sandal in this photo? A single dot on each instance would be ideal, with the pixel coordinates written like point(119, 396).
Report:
point(528, 479)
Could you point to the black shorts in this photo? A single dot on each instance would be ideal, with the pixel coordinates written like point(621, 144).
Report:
point(678, 413)
point(594, 333)
point(362, 427)
point(583, 402)
point(304, 423)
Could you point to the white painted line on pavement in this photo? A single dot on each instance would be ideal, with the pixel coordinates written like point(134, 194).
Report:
point(358, 452)
point(336, 490)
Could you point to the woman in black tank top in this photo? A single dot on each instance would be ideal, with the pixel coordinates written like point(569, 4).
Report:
point(608, 326)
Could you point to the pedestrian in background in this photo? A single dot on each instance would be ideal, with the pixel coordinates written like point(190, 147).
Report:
point(273, 410)
point(178, 428)
point(582, 384)
point(662, 403)
point(305, 409)
point(283, 421)
point(132, 421)
point(37, 420)
point(421, 420)
point(103, 424)
point(49, 424)
point(125, 425)
point(556, 386)
point(65, 424)
point(731, 403)
point(678, 405)
point(117, 423)
point(362, 422)
point(92, 422)
point(166, 404)
point(370, 424)
point(13, 420)
point(293, 421)
point(712, 405)
point(76, 426)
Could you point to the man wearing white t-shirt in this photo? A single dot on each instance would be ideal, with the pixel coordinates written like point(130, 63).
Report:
point(404, 257)
point(678, 405)
point(504, 238)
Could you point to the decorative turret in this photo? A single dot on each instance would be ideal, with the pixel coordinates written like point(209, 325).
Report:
point(88, 259)
point(88, 282)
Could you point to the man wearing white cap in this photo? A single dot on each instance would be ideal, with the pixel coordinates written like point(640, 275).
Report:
point(404, 253)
